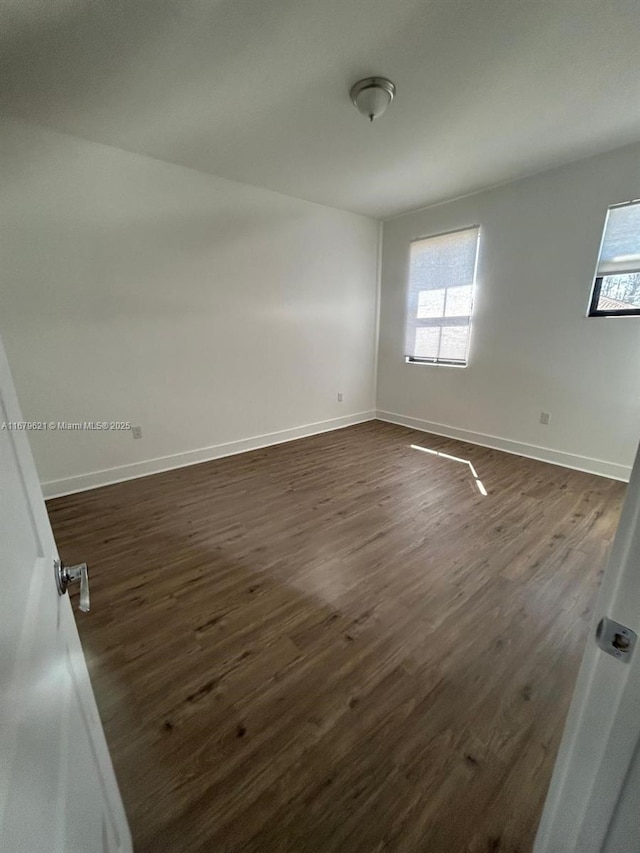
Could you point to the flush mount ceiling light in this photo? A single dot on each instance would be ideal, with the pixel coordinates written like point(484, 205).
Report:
point(372, 96)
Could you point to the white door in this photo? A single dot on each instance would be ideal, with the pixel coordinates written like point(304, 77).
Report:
point(58, 792)
point(594, 797)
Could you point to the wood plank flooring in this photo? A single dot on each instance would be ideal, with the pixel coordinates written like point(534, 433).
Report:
point(339, 645)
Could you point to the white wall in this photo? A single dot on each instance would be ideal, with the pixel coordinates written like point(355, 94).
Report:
point(532, 348)
point(207, 311)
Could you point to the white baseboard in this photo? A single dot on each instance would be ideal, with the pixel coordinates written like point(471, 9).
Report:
point(95, 479)
point(544, 454)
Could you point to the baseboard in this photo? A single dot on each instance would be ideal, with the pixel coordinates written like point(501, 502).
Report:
point(544, 454)
point(95, 479)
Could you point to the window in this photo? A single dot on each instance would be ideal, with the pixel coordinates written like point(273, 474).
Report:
point(442, 273)
point(616, 289)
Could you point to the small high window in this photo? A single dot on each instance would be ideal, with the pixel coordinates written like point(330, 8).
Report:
point(442, 272)
point(616, 289)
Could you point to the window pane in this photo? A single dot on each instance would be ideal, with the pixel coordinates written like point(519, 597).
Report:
point(619, 293)
point(427, 342)
point(454, 342)
point(431, 303)
point(459, 301)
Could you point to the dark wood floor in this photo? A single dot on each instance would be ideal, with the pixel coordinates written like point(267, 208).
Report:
point(339, 644)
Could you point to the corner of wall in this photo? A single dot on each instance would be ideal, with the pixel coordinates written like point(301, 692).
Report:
point(376, 345)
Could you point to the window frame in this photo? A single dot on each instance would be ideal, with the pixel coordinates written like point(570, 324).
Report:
point(594, 311)
point(596, 287)
point(443, 362)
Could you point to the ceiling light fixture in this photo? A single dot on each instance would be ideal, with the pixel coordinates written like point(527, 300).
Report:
point(372, 96)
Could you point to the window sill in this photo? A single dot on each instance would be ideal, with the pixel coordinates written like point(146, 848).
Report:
point(610, 314)
point(436, 364)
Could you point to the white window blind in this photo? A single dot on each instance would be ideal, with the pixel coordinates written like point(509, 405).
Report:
point(442, 274)
point(620, 253)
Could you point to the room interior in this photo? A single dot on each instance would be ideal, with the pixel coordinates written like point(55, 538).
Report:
point(340, 589)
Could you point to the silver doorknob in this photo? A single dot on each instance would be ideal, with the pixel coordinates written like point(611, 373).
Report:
point(72, 574)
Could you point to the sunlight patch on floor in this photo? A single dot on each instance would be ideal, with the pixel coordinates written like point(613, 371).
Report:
point(478, 481)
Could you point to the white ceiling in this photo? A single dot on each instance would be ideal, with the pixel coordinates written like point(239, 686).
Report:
point(257, 90)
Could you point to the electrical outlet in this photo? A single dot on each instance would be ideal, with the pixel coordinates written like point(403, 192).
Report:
point(545, 418)
point(339, 396)
point(136, 431)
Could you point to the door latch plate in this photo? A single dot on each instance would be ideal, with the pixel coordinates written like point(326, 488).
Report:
point(615, 639)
